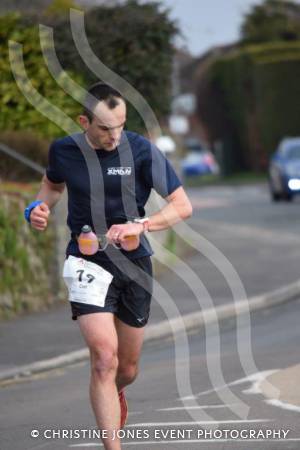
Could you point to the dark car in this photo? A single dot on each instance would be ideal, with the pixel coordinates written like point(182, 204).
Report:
point(284, 170)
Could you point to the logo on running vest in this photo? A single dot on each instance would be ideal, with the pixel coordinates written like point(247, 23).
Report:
point(119, 171)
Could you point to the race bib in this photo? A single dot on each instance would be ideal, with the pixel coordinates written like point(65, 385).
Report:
point(86, 281)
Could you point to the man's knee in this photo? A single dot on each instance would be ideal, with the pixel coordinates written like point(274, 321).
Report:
point(104, 362)
point(127, 372)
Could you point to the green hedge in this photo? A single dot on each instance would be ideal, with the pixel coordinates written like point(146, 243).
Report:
point(134, 40)
point(26, 260)
point(16, 112)
point(259, 88)
point(278, 100)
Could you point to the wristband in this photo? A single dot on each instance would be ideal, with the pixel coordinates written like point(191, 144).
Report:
point(29, 208)
point(144, 221)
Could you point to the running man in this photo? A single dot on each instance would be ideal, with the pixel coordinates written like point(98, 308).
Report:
point(109, 174)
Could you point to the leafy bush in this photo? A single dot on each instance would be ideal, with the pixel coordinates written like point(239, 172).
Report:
point(278, 100)
point(257, 95)
point(26, 259)
point(136, 44)
point(16, 112)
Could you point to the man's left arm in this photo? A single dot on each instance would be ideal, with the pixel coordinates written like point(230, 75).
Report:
point(178, 208)
point(159, 175)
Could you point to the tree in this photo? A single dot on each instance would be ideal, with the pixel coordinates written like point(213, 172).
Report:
point(60, 7)
point(132, 39)
point(273, 20)
point(16, 112)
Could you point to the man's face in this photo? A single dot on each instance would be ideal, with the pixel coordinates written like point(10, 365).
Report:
point(106, 127)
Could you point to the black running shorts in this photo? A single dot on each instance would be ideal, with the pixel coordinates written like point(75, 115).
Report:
point(129, 294)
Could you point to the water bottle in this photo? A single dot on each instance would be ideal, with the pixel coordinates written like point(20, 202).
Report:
point(88, 241)
point(131, 242)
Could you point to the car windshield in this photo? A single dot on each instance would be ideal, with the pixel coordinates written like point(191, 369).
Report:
point(194, 157)
point(293, 152)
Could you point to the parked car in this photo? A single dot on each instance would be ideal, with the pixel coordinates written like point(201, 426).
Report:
point(284, 170)
point(199, 163)
point(193, 144)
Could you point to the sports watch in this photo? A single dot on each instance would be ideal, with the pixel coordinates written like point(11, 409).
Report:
point(29, 208)
point(144, 221)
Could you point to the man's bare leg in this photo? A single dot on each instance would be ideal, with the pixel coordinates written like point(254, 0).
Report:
point(130, 345)
point(99, 332)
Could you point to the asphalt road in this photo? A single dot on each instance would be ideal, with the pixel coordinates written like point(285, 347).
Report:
point(215, 400)
point(259, 239)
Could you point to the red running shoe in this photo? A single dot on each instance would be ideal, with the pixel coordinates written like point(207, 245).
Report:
point(124, 408)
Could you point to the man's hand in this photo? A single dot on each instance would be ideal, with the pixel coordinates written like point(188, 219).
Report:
point(118, 233)
point(39, 217)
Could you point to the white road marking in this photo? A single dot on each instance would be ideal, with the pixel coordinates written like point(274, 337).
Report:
point(255, 389)
point(192, 441)
point(179, 408)
point(257, 380)
point(283, 405)
point(253, 231)
point(255, 377)
point(203, 422)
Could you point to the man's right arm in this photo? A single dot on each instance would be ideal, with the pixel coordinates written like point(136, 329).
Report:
point(49, 194)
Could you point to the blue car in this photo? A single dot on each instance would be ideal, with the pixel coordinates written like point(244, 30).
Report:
point(199, 163)
point(284, 170)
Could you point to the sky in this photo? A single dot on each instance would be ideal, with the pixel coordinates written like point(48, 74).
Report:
point(208, 23)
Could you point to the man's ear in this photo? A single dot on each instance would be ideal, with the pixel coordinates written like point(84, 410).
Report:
point(84, 121)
